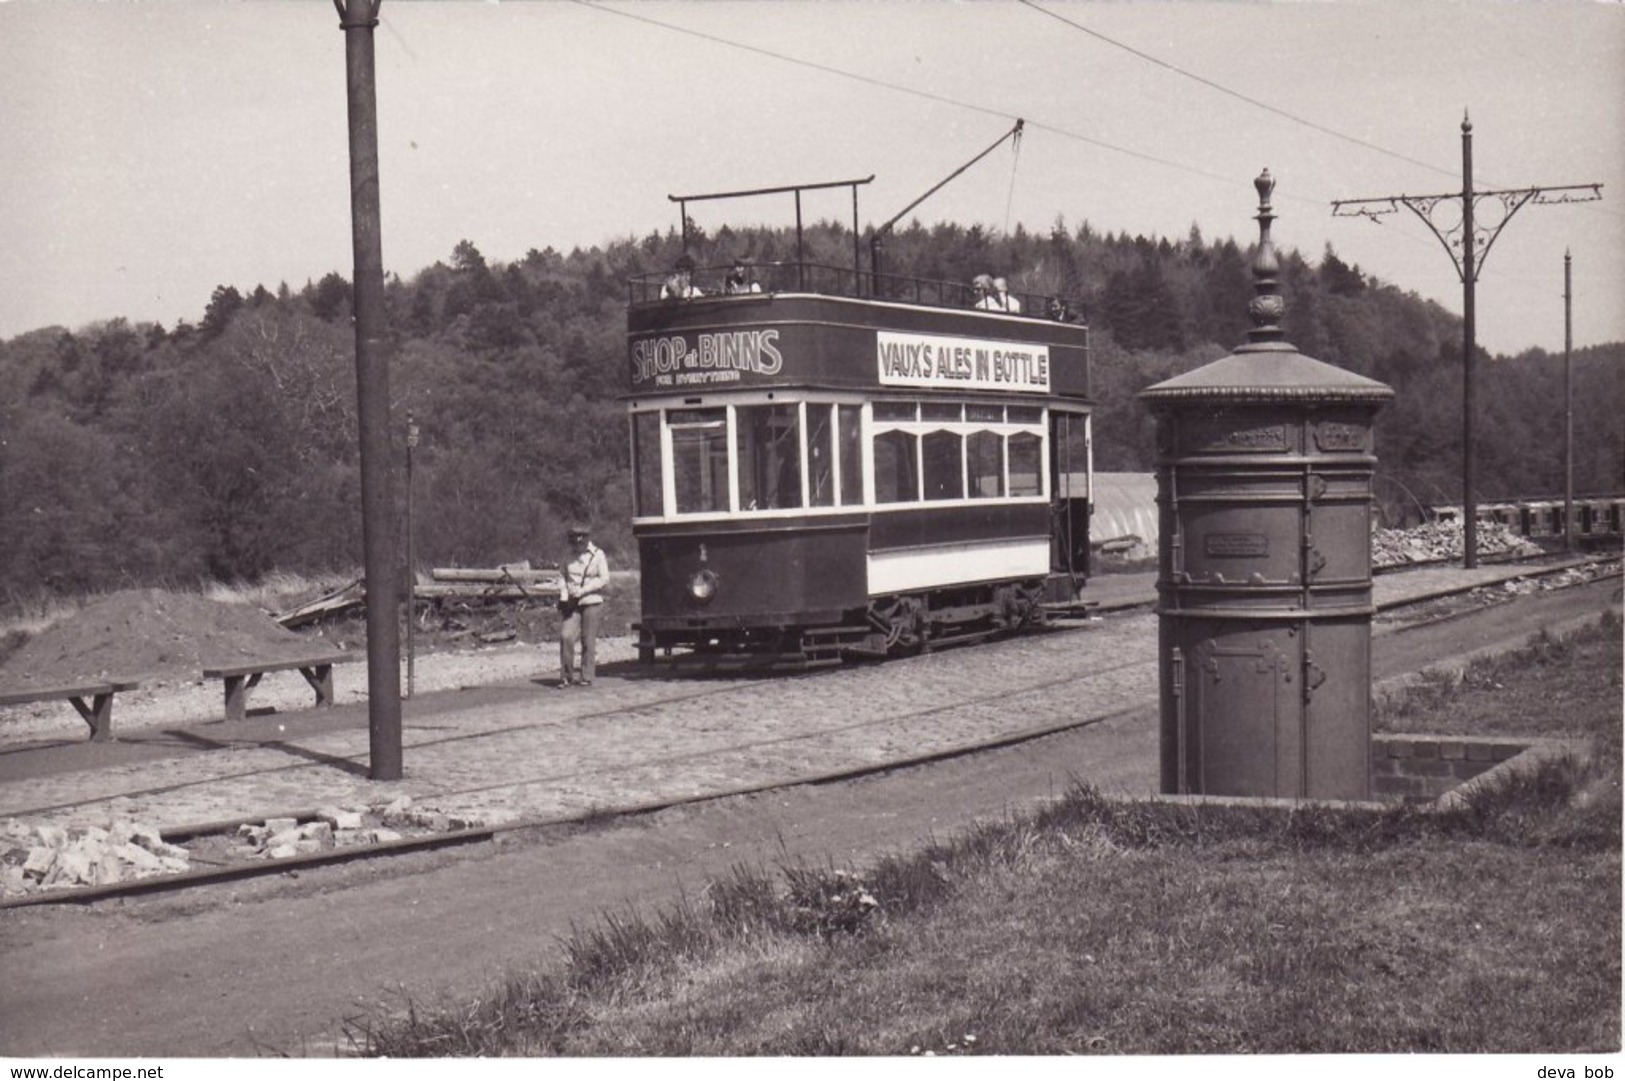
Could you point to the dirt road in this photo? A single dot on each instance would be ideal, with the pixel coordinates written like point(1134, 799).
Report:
point(275, 965)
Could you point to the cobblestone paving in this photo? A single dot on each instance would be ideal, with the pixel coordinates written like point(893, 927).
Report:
point(541, 753)
point(535, 753)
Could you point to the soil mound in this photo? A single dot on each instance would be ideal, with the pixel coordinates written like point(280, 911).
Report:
point(149, 634)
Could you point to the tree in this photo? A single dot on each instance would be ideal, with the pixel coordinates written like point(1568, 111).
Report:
point(225, 302)
point(466, 258)
point(59, 483)
point(1337, 276)
point(231, 449)
point(330, 299)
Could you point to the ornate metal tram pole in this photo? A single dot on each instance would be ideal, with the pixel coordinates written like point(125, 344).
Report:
point(378, 525)
point(1463, 242)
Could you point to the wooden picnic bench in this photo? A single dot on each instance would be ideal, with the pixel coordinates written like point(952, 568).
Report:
point(242, 678)
point(98, 714)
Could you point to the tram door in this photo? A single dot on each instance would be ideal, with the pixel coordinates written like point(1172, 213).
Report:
point(1070, 457)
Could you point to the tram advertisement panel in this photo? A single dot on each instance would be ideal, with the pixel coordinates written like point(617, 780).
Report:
point(942, 362)
point(735, 359)
point(706, 359)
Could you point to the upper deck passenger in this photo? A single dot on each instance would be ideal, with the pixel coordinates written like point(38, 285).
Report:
point(738, 280)
point(996, 297)
point(680, 282)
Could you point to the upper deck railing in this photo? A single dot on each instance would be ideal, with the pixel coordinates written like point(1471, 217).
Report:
point(761, 279)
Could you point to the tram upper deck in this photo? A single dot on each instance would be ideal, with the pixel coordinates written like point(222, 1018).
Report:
point(808, 325)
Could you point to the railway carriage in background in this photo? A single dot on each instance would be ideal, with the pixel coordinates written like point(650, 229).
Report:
point(830, 464)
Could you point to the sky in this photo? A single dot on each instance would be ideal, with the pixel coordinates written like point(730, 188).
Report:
point(150, 152)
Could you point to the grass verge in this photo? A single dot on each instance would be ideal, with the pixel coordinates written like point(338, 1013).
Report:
point(1111, 927)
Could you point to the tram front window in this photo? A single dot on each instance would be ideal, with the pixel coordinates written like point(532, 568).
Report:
point(820, 455)
point(851, 419)
point(699, 455)
point(769, 456)
point(646, 463)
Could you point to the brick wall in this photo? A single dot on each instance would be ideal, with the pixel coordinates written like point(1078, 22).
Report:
point(1423, 768)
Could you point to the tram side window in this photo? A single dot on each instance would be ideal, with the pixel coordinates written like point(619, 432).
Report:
point(769, 456)
point(820, 455)
point(896, 467)
point(1025, 464)
point(890, 410)
point(984, 461)
point(850, 418)
point(699, 460)
point(646, 463)
point(1069, 446)
point(944, 465)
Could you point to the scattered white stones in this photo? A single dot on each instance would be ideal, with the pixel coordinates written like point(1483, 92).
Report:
point(1443, 540)
point(352, 825)
point(36, 857)
point(340, 818)
point(45, 857)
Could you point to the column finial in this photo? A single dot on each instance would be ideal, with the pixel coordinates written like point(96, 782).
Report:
point(1267, 306)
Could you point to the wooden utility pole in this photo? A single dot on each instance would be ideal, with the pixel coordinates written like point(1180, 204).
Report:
point(378, 525)
point(411, 560)
point(1468, 241)
point(1568, 406)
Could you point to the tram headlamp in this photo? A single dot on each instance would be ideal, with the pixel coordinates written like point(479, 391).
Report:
point(702, 586)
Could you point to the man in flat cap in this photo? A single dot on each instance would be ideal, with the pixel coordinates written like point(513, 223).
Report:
point(581, 600)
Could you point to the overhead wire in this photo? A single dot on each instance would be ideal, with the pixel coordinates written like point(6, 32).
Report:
point(911, 91)
point(1403, 231)
point(1264, 105)
point(1238, 95)
point(1054, 129)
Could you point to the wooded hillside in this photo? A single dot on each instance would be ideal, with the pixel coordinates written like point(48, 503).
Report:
point(132, 454)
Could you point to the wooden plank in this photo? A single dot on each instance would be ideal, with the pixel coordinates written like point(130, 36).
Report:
point(318, 609)
point(66, 691)
point(253, 668)
point(239, 679)
point(496, 574)
point(97, 713)
point(474, 591)
point(346, 596)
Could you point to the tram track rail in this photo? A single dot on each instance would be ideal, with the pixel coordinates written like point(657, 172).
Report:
point(187, 832)
point(249, 868)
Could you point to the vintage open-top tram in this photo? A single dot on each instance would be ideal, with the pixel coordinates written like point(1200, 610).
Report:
point(831, 465)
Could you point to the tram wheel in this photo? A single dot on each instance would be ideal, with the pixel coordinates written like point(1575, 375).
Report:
point(902, 620)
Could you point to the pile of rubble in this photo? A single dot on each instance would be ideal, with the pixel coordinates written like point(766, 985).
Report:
point(1438, 541)
point(510, 581)
point(43, 857)
point(1573, 576)
point(37, 857)
point(349, 826)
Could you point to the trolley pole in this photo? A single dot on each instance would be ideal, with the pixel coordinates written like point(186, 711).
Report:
point(1468, 243)
point(378, 526)
point(1568, 405)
